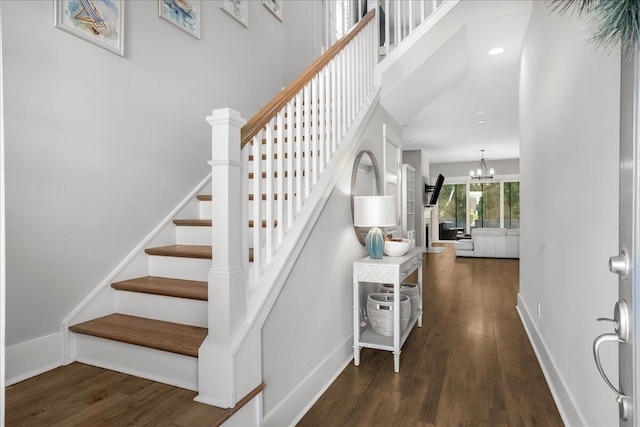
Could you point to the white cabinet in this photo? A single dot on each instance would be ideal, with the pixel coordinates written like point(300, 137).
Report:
point(367, 273)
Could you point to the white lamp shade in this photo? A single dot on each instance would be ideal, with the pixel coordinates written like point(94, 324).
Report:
point(374, 211)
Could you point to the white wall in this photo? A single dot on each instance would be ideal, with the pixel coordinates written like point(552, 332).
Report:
point(99, 148)
point(308, 336)
point(569, 113)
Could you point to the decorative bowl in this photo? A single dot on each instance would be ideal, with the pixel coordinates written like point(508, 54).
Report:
point(393, 248)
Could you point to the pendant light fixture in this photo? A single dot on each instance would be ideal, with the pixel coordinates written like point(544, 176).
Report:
point(483, 171)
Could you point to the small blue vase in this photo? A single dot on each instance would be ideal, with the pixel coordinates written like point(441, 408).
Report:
point(375, 243)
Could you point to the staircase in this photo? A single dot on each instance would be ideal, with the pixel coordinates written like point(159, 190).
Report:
point(186, 307)
point(160, 320)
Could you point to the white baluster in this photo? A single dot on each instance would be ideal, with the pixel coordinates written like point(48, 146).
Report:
point(322, 128)
point(338, 100)
point(334, 105)
point(314, 130)
point(398, 24)
point(280, 180)
point(307, 142)
point(412, 22)
point(387, 27)
point(344, 82)
point(422, 15)
point(291, 144)
point(268, 188)
point(257, 197)
point(298, 174)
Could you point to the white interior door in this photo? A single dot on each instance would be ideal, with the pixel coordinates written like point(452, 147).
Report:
point(626, 318)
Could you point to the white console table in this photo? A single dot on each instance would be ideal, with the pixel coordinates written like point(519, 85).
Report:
point(387, 270)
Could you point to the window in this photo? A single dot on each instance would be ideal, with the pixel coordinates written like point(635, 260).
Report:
point(511, 205)
point(452, 205)
point(484, 205)
point(471, 205)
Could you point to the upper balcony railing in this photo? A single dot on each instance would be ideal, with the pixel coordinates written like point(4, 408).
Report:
point(399, 18)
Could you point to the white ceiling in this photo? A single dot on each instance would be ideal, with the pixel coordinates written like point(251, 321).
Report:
point(461, 79)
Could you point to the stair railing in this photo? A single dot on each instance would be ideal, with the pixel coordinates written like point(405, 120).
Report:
point(263, 170)
point(289, 142)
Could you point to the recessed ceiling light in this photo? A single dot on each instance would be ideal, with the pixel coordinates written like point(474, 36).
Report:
point(480, 112)
point(496, 51)
point(481, 122)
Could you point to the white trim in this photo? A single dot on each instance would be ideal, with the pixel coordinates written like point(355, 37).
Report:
point(300, 399)
point(569, 410)
point(106, 282)
point(31, 358)
point(3, 246)
point(247, 416)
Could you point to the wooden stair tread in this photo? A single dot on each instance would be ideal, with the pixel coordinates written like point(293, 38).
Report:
point(204, 197)
point(178, 288)
point(183, 251)
point(157, 334)
point(187, 251)
point(192, 222)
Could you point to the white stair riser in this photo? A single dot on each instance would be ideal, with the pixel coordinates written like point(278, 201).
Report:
point(160, 307)
point(205, 209)
point(193, 236)
point(162, 366)
point(179, 268)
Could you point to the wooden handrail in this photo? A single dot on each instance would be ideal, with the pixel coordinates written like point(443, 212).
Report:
point(263, 116)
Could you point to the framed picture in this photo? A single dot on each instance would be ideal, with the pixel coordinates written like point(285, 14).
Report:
point(238, 9)
point(100, 22)
point(184, 14)
point(275, 6)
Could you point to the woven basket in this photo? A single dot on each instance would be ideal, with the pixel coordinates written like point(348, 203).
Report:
point(380, 312)
point(409, 289)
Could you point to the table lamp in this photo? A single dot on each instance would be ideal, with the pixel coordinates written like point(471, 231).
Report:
point(374, 211)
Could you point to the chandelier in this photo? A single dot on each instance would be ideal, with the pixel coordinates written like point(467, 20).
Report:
point(483, 172)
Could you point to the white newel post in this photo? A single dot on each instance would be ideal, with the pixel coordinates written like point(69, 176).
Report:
point(227, 305)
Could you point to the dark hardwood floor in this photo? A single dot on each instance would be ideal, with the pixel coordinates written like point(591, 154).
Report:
point(83, 395)
point(471, 364)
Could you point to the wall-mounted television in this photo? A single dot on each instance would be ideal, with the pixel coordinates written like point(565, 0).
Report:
point(434, 190)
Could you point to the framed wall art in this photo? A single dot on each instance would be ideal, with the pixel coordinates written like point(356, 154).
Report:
point(238, 9)
point(184, 14)
point(275, 6)
point(100, 22)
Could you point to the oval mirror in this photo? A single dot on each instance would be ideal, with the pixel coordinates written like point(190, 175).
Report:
point(365, 181)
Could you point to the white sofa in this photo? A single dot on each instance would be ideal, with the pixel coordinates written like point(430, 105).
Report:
point(490, 243)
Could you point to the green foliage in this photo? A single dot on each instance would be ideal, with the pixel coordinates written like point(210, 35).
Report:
point(615, 22)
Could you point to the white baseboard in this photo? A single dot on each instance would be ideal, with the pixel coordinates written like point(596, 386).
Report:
point(31, 358)
point(569, 411)
point(302, 397)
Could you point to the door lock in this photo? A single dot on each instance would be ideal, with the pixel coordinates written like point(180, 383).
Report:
point(619, 264)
